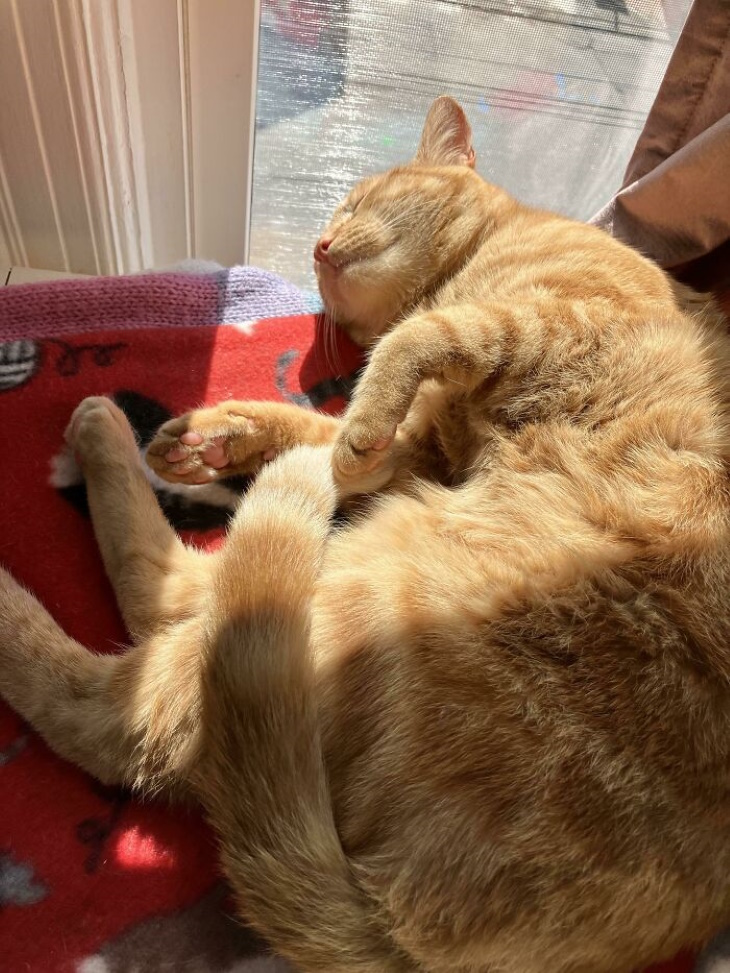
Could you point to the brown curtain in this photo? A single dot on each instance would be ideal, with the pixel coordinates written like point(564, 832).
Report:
point(674, 204)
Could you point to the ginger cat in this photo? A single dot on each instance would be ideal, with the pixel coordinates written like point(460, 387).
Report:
point(485, 727)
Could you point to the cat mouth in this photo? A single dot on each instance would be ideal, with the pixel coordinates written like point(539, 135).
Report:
point(332, 276)
point(334, 263)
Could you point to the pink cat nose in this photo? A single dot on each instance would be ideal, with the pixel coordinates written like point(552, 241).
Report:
point(320, 251)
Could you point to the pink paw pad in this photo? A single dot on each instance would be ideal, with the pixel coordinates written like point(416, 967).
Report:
point(215, 455)
point(176, 454)
point(381, 444)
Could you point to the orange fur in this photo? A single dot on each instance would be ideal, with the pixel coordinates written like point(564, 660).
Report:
point(485, 727)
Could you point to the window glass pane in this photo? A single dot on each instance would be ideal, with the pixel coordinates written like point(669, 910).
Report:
point(556, 91)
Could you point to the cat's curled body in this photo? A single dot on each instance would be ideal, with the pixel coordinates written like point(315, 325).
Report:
point(486, 727)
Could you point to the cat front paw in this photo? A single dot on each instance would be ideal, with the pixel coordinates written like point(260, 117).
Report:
point(209, 444)
point(362, 460)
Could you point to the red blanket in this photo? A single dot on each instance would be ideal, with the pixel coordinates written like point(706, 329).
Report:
point(92, 879)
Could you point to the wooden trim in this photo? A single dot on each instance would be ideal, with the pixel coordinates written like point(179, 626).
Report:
point(38, 129)
point(223, 61)
point(111, 128)
point(76, 127)
point(12, 248)
point(127, 139)
point(186, 121)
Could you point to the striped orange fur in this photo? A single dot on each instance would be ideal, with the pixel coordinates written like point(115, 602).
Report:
point(485, 727)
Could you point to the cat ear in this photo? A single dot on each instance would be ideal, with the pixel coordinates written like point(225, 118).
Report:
point(446, 136)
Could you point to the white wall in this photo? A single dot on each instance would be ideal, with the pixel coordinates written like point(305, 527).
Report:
point(126, 132)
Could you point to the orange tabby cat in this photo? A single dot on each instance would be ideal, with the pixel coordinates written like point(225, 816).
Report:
point(486, 727)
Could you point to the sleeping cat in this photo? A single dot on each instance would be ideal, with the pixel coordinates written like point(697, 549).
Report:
point(486, 726)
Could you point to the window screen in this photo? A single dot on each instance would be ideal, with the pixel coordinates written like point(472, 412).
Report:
point(556, 91)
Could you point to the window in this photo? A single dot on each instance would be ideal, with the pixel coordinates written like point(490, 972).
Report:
point(556, 91)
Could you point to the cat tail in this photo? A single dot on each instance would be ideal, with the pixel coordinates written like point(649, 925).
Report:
point(262, 778)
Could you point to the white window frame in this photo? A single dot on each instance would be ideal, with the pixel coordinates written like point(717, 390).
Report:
point(126, 132)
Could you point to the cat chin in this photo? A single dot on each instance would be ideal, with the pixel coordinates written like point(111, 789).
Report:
point(356, 332)
point(326, 292)
point(362, 334)
point(362, 320)
point(334, 305)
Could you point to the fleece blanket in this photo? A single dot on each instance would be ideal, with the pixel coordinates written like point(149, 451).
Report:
point(93, 879)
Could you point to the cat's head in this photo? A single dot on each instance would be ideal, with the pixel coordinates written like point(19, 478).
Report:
point(397, 235)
